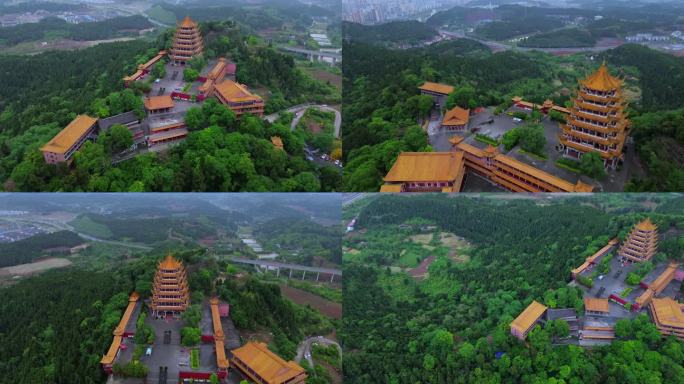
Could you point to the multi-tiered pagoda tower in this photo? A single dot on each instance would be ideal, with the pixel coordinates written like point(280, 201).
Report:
point(641, 244)
point(597, 121)
point(187, 42)
point(170, 292)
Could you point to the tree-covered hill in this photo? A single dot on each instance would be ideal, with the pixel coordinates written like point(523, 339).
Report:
point(389, 34)
point(453, 326)
point(381, 102)
point(50, 27)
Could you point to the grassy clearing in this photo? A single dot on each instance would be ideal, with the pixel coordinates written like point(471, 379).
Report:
point(194, 359)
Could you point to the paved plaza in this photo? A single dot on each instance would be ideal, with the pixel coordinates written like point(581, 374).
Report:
point(495, 126)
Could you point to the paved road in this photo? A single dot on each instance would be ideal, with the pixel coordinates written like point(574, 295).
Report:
point(304, 348)
point(499, 46)
point(299, 111)
point(308, 52)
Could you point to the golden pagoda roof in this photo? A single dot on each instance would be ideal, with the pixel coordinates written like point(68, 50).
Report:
point(269, 366)
point(596, 305)
point(68, 136)
point(188, 22)
point(529, 316)
point(602, 80)
point(646, 225)
point(170, 262)
point(456, 116)
point(426, 166)
point(437, 88)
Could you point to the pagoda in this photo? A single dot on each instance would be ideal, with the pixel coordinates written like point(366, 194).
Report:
point(187, 42)
point(597, 121)
point(170, 291)
point(641, 244)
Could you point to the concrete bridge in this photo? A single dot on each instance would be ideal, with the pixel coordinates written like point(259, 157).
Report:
point(276, 266)
point(314, 55)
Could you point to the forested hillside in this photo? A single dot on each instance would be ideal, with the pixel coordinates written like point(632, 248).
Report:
point(381, 102)
point(32, 248)
point(301, 241)
point(389, 34)
point(44, 93)
point(453, 327)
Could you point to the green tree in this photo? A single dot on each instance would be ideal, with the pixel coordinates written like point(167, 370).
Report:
point(591, 164)
point(116, 139)
point(190, 336)
point(190, 75)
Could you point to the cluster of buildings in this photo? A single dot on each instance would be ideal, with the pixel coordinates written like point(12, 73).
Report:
point(597, 324)
point(596, 122)
point(163, 123)
point(170, 297)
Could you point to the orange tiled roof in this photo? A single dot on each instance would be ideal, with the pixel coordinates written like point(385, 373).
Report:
point(234, 92)
point(437, 88)
point(456, 116)
point(221, 360)
point(596, 305)
point(528, 317)
point(68, 136)
point(426, 166)
point(668, 312)
point(391, 188)
point(602, 80)
point(269, 366)
point(119, 330)
point(159, 102)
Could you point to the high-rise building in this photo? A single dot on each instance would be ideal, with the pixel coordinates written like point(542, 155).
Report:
point(170, 293)
point(187, 42)
point(597, 120)
point(641, 244)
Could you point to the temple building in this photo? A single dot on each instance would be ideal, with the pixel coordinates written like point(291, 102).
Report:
point(215, 76)
point(170, 293)
point(641, 243)
point(219, 337)
point(438, 92)
point(545, 108)
point(144, 69)
point(122, 330)
point(187, 42)
point(593, 259)
point(62, 147)
point(525, 322)
point(596, 306)
point(509, 173)
point(668, 316)
point(597, 121)
point(239, 99)
point(158, 104)
point(456, 119)
point(425, 172)
point(656, 287)
point(262, 366)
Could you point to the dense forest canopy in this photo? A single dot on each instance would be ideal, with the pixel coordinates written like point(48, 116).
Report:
point(453, 327)
point(393, 33)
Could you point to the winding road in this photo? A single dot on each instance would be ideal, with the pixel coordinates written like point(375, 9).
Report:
point(304, 348)
point(299, 111)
